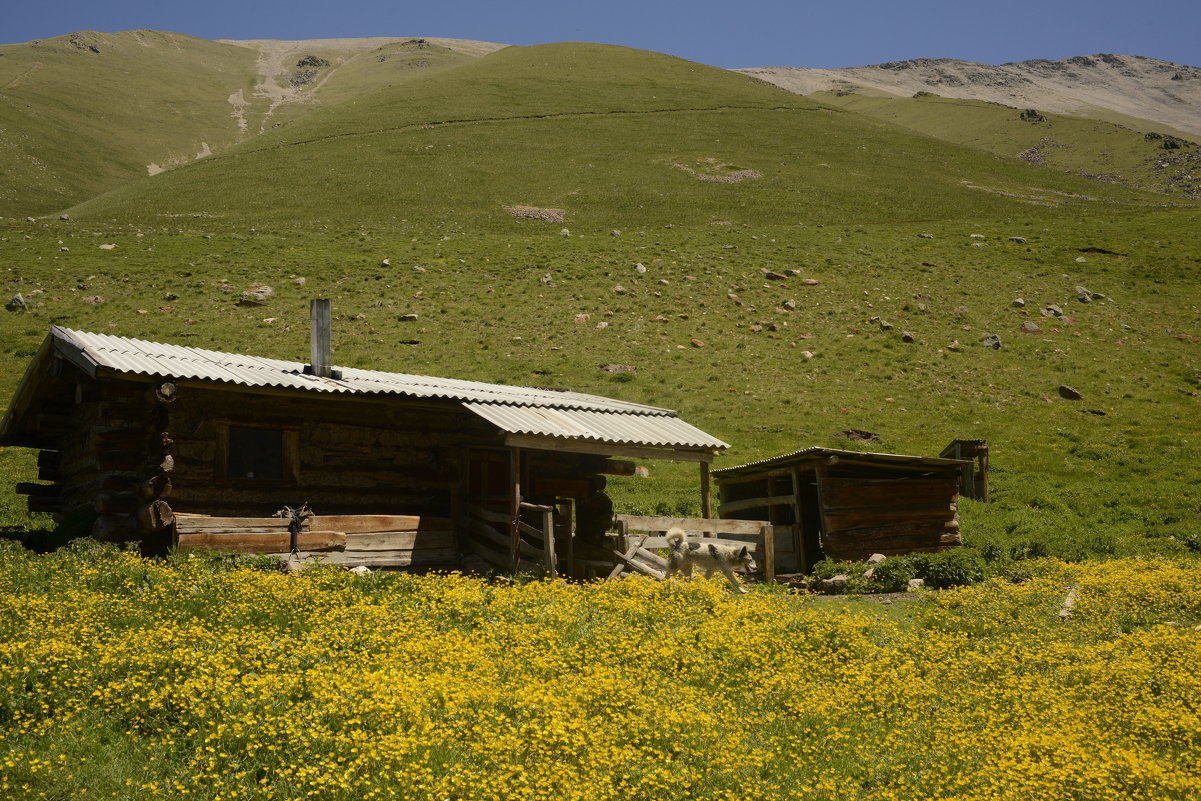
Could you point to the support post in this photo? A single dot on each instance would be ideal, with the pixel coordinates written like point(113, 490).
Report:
point(515, 506)
point(706, 499)
point(548, 541)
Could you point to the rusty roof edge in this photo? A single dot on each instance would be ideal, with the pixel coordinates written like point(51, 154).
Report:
point(818, 452)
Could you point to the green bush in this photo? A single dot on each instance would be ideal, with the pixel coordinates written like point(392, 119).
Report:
point(954, 568)
point(894, 574)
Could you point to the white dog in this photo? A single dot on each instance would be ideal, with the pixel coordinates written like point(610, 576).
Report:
point(710, 557)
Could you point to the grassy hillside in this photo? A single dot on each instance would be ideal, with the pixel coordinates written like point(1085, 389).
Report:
point(84, 113)
point(1166, 161)
point(88, 112)
point(902, 232)
point(613, 137)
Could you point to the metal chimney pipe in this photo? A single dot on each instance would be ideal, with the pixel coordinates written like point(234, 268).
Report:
point(321, 337)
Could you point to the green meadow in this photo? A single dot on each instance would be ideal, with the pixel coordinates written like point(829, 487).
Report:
point(394, 200)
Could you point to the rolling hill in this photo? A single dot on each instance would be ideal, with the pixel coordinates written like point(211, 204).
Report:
point(603, 135)
point(87, 112)
point(779, 268)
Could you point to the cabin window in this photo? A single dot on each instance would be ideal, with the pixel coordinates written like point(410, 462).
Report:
point(259, 454)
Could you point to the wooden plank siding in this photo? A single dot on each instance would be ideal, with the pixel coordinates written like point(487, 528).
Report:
point(887, 516)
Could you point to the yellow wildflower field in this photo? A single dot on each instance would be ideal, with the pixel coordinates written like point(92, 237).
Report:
point(124, 678)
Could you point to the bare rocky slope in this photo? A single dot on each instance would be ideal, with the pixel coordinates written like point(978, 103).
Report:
point(1130, 90)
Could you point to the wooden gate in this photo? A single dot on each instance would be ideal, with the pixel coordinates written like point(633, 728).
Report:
point(639, 537)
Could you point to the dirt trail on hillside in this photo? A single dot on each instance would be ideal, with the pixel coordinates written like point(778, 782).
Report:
point(277, 58)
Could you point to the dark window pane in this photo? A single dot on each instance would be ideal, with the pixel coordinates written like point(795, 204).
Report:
point(256, 453)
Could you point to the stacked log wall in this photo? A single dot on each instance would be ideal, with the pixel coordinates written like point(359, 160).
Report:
point(352, 456)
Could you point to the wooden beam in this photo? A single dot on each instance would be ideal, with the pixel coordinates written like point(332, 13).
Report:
point(706, 498)
point(755, 503)
point(260, 542)
point(690, 524)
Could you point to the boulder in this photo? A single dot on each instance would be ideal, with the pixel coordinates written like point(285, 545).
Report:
point(835, 584)
point(1067, 393)
point(17, 304)
point(260, 294)
point(915, 585)
point(1031, 327)
point(991, 341)
point(876, 559)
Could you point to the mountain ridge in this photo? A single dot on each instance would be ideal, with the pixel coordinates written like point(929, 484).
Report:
point(1124, 89)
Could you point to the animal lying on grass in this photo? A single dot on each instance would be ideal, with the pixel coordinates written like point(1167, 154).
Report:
point(710, 557)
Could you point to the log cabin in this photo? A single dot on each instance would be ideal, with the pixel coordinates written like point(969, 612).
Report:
point(168, 445)
point(848, 505)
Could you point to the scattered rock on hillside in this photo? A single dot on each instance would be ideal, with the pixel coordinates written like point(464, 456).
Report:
point(1019, 240)
point(564, 232)
point(857, 435)
point(876, 559)
point(302, 78)
point(17, 304)
point(260, 294)
point(1083, 295)
point(299, 281)
point(312, 61)
point(535, 213)
point(65, 217)
point(926, 236)
point(583, 318)
point(95, 300)
point(1019, 302)
point(107, 246)
point(618, 368)
point(1067, 393)
point(408, 318)
point(991, 341)
point(907, 336)
point(1031, 327)
point(915, 585)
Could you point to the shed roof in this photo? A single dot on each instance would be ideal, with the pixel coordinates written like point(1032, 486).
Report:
point(525, 411)
point(808, 456)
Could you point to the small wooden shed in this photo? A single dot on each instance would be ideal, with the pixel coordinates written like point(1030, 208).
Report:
point(824, 502)
point(168, 444)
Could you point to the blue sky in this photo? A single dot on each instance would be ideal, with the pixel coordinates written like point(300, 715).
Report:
point(733, 33)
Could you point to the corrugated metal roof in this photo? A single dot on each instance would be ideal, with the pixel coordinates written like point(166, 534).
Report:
point(596, 426)
point(516, 410)
point(865, 457)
